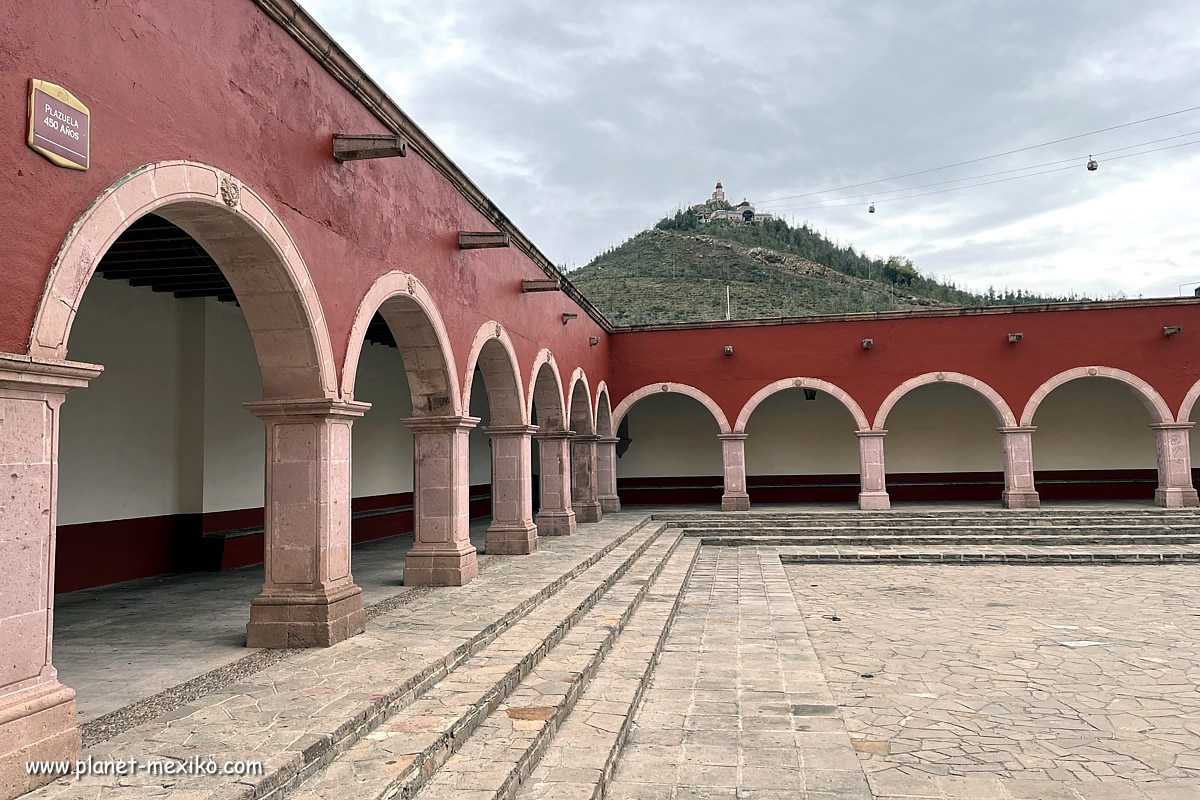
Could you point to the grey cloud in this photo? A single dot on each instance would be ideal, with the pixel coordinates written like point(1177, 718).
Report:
point(587, 122)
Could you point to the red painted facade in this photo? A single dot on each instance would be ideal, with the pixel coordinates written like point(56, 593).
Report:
point(222, 83)
point(1127, 337)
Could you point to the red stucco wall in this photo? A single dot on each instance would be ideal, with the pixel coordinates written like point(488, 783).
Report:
point(219, 82)
point(1129, 338)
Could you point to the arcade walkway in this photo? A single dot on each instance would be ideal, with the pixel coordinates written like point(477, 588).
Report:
point(124, 643)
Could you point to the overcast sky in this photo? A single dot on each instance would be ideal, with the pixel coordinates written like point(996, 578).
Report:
point(587, 122)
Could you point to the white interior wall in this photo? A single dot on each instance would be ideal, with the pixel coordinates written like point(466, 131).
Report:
point(671, 435)
point(381, 446)
point(943, 427)
point(119, 444)
point(1094, 423)
point(789, 435)
point(235, 440)
point(480, 445)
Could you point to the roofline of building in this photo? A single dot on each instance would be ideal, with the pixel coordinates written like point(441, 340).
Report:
point(886, 316)
point(321, 46)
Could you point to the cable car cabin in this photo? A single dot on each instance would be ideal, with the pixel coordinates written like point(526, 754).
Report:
point(748, 216)
point(871, 208)
point(1092, 165)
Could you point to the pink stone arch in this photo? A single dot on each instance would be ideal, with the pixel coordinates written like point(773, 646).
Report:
point(546, 393)
point(243, 236)
point(1189, 402)
point(411, 315)
point(1003, 413)
point(579, 403)
point(671, 388)
point(496, 357)
point(604, 418)
point(839, 394)
point(1146, 393)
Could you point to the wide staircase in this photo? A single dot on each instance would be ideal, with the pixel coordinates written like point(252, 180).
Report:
point(1049, 535)
point(543, 710)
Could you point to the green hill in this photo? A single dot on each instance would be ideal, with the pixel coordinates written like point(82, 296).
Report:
point(679, 270)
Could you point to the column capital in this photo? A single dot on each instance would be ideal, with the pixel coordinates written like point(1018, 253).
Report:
point(432, 424)
point(550, 435)
point(609, 439)
point(317, 407)
point(585, 437)
point(874, 433)
point(731, 437)
point(1172, 426)
point(27, 373)
point(1017, 428)
point(509, 430)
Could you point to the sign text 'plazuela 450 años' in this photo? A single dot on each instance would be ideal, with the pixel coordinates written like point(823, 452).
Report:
point(59, 125)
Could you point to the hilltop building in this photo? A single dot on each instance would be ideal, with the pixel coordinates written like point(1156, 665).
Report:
point(717, 208)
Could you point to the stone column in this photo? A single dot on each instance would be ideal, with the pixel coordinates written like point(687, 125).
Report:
point(442, 553)
point(512, 531)
point(308, 597)
point(606, 474)
point(1171, 440)
point(1019, 491)
point(555, 517)
point(37, 713)
point(584, 493)
point(733, 457)
point(873, 494)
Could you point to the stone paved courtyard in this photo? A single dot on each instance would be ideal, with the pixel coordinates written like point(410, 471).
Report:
point(773, 680)
point(1034, 682)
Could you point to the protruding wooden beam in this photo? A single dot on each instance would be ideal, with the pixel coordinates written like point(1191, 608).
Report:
point(477, 240)
point(353, 147)
point(547, 285)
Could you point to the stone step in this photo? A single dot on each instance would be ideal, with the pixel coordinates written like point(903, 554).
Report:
point(1190, 523)
point(1097, 531)
point(581, 758)
point(509, 743)
point(849, 512)
point(788, 539)
point(1115, 554)
point(400, 755)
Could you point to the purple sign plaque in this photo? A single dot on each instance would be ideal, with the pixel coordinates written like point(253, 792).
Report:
point(58, 125)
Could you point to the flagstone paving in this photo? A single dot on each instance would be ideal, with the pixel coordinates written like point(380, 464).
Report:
point(737, 706)
point(1036, 682)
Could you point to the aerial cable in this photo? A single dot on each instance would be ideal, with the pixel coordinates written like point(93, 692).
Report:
point(986, 158)
point(1001, 180)
point(1073, 159)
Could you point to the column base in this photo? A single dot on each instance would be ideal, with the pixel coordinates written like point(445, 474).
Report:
point(610, 504)
point(511, 539)
point(1020, 498)
point(1176, 498)
point(874, 501)
point(38, 723)
point(735, 502)
point(440, 567)
point(555, 523)
point(306, 619)
point(587, 512)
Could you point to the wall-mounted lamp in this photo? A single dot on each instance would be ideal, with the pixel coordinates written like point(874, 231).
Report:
point(567, 317)
point(593, 341)
point(868, 344)
point(810, 394)
point(1013, 338)
point(1171, 330)
point(728, 349)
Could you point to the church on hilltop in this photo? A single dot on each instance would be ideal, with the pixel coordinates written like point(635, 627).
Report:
point(717, 208)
